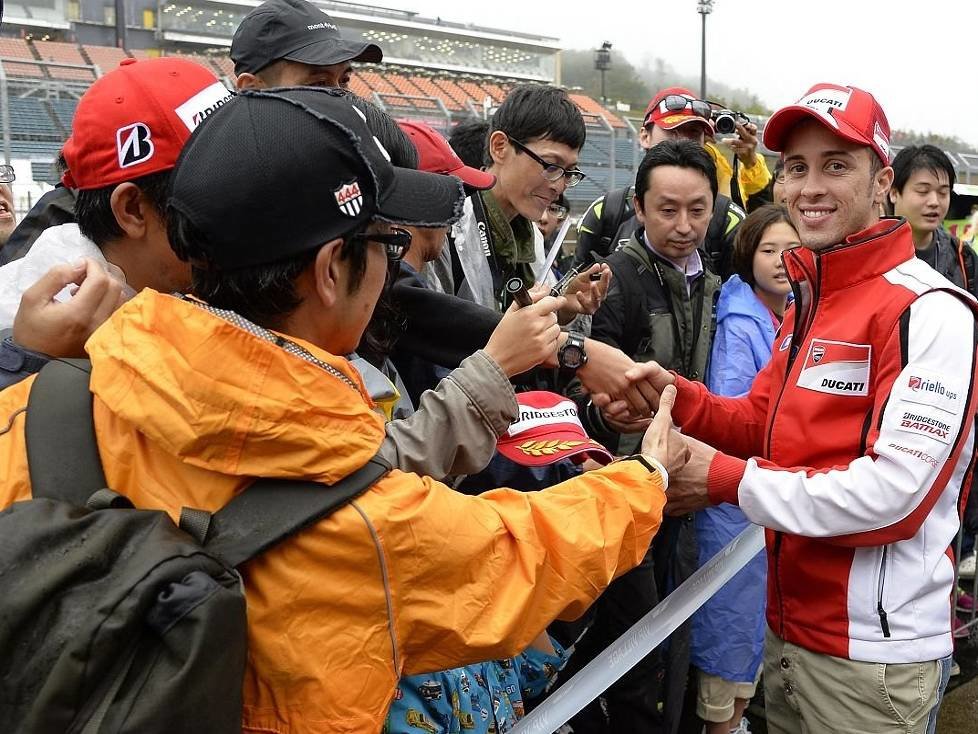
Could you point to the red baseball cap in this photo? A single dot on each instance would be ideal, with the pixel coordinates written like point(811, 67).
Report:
point(657, 114)
point(437, 156)
point(134, 120)
point(546, 430)
point(850, 113)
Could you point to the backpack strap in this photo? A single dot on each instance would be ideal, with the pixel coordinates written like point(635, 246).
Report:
point(271, 510)
point(959, 250)
point(62, 452)
point(64, 464)
point(612, 217)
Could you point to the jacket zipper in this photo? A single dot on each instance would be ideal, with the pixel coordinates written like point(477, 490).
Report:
point(797, 338)
point(884, 625)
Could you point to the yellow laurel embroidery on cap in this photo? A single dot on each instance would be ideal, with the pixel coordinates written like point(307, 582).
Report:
point(546, 448)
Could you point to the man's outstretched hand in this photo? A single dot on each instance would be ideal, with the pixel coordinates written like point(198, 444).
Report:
point(638, 397)
point(687, 487)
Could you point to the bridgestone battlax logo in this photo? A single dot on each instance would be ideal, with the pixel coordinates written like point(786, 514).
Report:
point(349, 198)
point(134, 144)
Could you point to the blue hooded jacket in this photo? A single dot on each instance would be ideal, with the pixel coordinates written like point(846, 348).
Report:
point(743, 340)
point(728, 631)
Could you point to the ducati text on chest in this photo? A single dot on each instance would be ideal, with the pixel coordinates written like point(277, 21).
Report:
point(836, 368)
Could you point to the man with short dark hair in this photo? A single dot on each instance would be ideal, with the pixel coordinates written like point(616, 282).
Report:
point(468, 139)
point(923, 178)
point(127, 133)
point(292, 43)
point(676, 114)
point(854, 443)
point(534, 141)
point(196, 397)
point(661, 306)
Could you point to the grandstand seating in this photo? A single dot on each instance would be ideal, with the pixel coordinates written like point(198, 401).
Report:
point(41, 122)
point(225, 66)
point(64, 111)
point(65, 53)
point(430, 89)
point(359, 86)
point(406, 87)
point(590, 106)
point(477, 93)
point(17, 48)
point(106, 58)
point(34, 149)
point(30, 120)
point(44, 171)
point(452, 91)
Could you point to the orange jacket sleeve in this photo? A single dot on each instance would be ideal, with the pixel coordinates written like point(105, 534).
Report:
point(478, 578)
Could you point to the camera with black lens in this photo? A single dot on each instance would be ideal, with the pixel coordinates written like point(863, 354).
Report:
point(725, 121)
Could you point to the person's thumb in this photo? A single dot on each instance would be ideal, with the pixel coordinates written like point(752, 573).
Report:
point(667, 399)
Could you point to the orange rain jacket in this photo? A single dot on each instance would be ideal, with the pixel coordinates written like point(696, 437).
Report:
point(410, 578)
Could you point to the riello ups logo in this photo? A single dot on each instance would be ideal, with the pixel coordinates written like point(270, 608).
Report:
point(934, 387)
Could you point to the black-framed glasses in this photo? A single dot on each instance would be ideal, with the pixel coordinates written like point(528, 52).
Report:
point(396, 243)
point(678, 103)
point(7, 174)
point(551, 171)
point(558, 212)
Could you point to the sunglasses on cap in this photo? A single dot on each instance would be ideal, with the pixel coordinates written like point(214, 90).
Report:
point(551, 171)
point(678, 103)
point(7, 174)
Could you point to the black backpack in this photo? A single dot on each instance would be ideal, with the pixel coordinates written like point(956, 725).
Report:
point(114, 619)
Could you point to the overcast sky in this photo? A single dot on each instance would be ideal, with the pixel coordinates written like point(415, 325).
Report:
point(920, 59)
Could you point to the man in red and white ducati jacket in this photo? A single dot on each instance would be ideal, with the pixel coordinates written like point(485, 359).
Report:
point(853, 446)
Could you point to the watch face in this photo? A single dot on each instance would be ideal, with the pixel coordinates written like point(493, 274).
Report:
point(572, 356)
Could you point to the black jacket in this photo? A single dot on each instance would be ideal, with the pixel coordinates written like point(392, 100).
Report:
point(610, 221)
point(56, 207)
point(954, 260)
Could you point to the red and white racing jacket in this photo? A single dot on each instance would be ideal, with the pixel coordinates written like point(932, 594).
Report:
point(861, 430)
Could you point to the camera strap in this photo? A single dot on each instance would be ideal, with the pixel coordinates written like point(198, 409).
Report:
point(485, 242)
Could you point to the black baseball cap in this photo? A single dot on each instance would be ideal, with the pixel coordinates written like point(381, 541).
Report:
point(275, 173)
point(295, 30)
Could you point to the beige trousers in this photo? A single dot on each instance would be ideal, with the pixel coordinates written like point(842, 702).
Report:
point(811, 693)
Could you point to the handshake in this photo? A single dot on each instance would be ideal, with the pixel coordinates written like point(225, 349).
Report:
point(647, 404)
point(628, 394)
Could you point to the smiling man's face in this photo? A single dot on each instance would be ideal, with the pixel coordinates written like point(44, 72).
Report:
point(833, 187)
point(520, 185)
point(8, 221)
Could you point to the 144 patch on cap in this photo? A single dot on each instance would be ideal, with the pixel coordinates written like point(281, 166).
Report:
point(349, 198)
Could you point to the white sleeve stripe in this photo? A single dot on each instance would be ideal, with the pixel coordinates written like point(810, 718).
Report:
point(915, 440)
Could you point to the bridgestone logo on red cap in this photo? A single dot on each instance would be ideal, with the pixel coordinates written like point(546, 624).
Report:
point(206, 102)
point(134, 144)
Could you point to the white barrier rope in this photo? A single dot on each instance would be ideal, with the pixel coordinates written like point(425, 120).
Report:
point(644, 636)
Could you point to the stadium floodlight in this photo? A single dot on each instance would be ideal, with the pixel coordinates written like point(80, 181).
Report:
point(602, 62)
point(704, 8)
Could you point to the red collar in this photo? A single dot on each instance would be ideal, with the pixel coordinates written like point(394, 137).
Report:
point(864, 255)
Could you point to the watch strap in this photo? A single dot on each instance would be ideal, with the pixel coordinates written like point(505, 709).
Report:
point(653, 465)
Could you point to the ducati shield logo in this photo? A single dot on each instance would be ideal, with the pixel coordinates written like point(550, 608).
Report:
point(134, 144)
point(349, 199)
point(837, 368)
